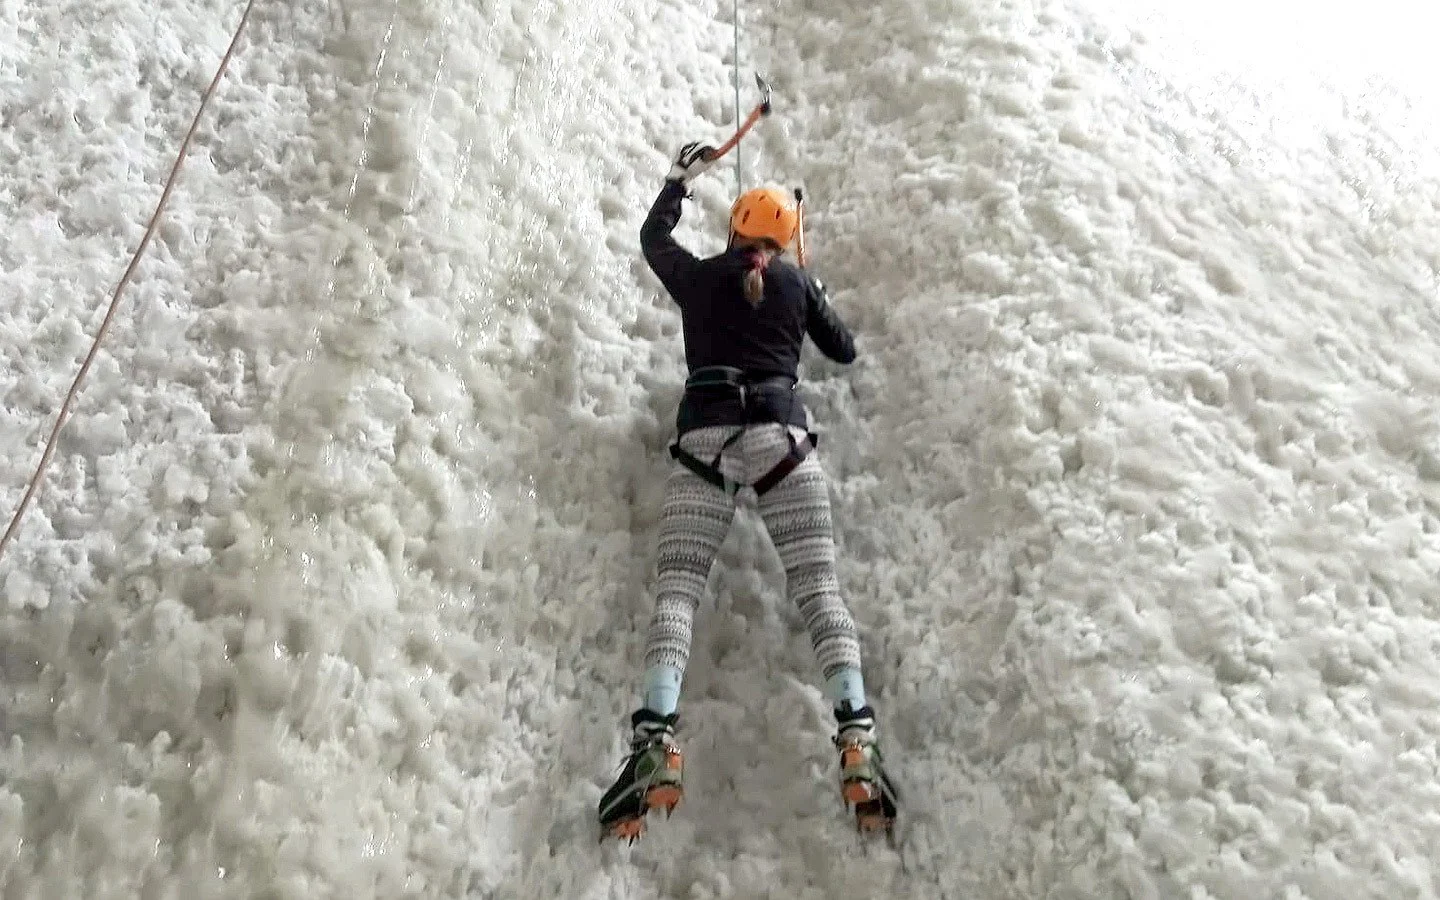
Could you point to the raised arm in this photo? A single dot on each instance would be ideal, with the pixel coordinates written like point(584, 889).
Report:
point(671, 263)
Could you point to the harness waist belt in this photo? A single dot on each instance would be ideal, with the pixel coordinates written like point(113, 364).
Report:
point(727, 379)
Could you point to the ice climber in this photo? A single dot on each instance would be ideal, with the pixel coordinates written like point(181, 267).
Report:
point(740, 424)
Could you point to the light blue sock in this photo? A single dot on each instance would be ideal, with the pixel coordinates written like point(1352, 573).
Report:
point(662, 689)
point(846, 685)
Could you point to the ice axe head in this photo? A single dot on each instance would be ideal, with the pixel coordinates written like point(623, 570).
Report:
point(760, 111)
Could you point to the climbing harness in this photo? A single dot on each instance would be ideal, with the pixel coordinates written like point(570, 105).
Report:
point(730, 380)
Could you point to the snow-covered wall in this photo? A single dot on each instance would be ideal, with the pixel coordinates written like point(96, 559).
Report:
point(308, 598)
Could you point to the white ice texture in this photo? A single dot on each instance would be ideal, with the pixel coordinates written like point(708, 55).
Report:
point(339, 581)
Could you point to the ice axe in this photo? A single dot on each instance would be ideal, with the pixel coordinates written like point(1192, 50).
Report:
point(761, 109)
point(800, 227)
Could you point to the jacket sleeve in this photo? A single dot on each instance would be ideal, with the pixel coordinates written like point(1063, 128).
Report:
point(672, 264)
point(824, 325)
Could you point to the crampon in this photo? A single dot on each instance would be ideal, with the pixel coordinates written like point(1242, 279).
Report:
point(651, 780)
point(864, 785)
point(871, 797)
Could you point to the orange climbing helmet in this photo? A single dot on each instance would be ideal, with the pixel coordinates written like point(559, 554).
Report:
point(765, 213)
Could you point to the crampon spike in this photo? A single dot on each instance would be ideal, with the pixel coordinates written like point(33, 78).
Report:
point(870, 817)
point(625, 829)
point(665, 797)
point(852, 755)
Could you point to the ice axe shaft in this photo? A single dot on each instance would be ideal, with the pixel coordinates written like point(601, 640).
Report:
point(800, 227)
point(761, 109)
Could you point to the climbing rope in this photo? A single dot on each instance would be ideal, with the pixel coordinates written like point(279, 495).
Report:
point(120, 287)
point(739, 182)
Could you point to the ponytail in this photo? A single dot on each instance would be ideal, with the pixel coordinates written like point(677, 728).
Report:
point(755, 277)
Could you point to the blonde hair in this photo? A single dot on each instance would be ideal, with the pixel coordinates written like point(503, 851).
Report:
point(762, 250)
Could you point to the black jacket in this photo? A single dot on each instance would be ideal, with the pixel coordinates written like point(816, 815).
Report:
point(720, 326)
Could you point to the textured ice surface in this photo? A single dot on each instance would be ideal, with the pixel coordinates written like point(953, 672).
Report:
point(338, 583)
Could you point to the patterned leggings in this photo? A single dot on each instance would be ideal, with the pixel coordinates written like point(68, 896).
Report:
point(796, 512)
